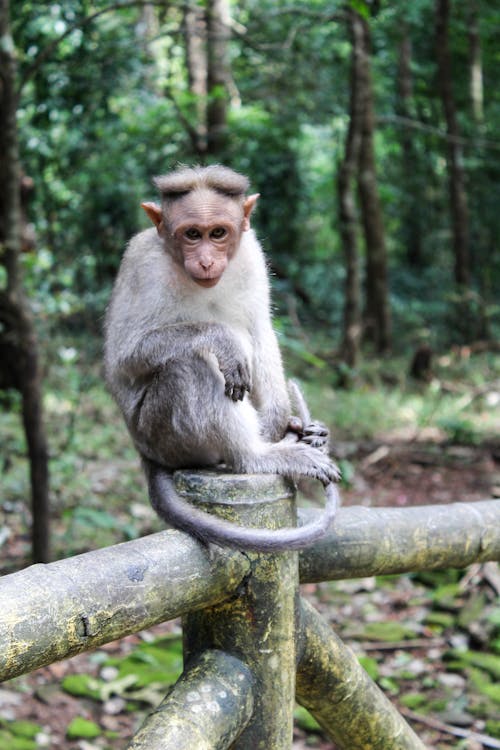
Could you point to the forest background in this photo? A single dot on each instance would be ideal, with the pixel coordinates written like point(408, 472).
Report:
point(370, 130)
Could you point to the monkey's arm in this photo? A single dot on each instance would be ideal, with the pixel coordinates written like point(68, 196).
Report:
point(184, 340)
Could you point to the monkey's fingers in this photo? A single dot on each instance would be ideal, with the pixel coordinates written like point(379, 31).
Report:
point(316, 428)
point(238, 382)
point(317, 435)
point(235, 391)
point(315, 442)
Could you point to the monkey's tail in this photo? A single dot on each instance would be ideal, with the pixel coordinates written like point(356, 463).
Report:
point(299, 402)
point(182, 515)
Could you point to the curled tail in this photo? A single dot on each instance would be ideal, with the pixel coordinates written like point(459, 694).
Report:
point(209, 528)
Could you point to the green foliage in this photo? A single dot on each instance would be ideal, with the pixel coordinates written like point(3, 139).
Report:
point(141, 677)
point(81, 685)
point(151, 663)
point(459, 430)
point(305, 721)
point(19, 735)
point(488, 663)
point(387, 631)
point(370, 666)
point(82, 729)
point(7, 740)
point(91, 150)
point(414, 701)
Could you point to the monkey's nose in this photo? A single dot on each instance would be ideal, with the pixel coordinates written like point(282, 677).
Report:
point(206, 264)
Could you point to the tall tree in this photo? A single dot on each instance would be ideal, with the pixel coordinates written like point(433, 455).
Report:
point(377, 311)
point(476, 64)
point(411, 222)
point(207, 32)
point(195, 40)
point(219, 76)
point(456, 173)
point(351, 334)
point(18, 345)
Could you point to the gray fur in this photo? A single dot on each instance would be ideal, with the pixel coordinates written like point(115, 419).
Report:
point(197, 371)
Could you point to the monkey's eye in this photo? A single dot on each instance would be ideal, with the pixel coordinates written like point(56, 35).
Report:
point(192, 234)
point(218, 233)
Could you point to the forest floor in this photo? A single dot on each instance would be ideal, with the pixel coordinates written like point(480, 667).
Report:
point(431, 640)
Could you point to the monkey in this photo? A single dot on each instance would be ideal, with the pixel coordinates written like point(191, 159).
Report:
point(191, 357)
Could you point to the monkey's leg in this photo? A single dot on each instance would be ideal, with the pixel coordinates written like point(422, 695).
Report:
point(201, 422)
point(245, 451)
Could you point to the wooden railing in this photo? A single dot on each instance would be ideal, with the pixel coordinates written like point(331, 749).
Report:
point(251, 646)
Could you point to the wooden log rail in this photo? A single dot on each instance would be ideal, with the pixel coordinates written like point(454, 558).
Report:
point(244, 628)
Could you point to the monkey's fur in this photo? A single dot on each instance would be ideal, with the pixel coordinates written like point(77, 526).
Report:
point(191, 356)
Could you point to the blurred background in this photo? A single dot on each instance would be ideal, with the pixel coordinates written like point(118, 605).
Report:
point(370, 130)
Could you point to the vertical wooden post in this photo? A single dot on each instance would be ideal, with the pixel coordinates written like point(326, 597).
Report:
point(260, 625)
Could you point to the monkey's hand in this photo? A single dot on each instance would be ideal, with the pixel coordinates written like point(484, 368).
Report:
point(313, 433)
point(236, 373)
point(317, 435)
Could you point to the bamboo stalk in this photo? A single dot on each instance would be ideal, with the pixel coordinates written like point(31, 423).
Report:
point(349, 706)
point(380, 541)
point(260, 624)
point(50, 612)
point(206, 709)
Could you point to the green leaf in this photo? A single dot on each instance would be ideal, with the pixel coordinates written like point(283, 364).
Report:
point(387, 631)
point(82, 685)
point(305, 721)
point(370, 666)
point(487, 662)
point(361, 7)
point(490, 691)
point(413, 700)
point(27, 729)
point(447, 596)
point(159, 662)
point(81, 728)
point(440, 619)
point(9, 742)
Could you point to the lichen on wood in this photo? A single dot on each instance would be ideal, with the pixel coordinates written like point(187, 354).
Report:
point(50, 612)
point(380, 541)
point(260, 624)
point(205, 710)
point(349, 706)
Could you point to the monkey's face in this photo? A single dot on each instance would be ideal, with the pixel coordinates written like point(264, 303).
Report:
point(205, 230)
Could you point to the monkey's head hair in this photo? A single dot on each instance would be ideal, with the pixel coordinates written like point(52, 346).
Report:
point(215, 177)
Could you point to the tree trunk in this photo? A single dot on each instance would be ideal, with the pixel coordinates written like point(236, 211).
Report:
point(412, 225)
point(218, 75)
point(351, 334)
point(456, 172)
point(195, 37)
point(17, 330)
point(476, 64)
point(377, 312)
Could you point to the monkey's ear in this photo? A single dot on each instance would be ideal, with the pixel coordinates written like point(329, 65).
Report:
point(248, 207)
point(154, 212)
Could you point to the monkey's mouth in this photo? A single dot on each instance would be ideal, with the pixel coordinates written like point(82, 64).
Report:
point(207, 283)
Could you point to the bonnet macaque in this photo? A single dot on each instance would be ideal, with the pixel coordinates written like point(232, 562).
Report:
point(192, 359)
